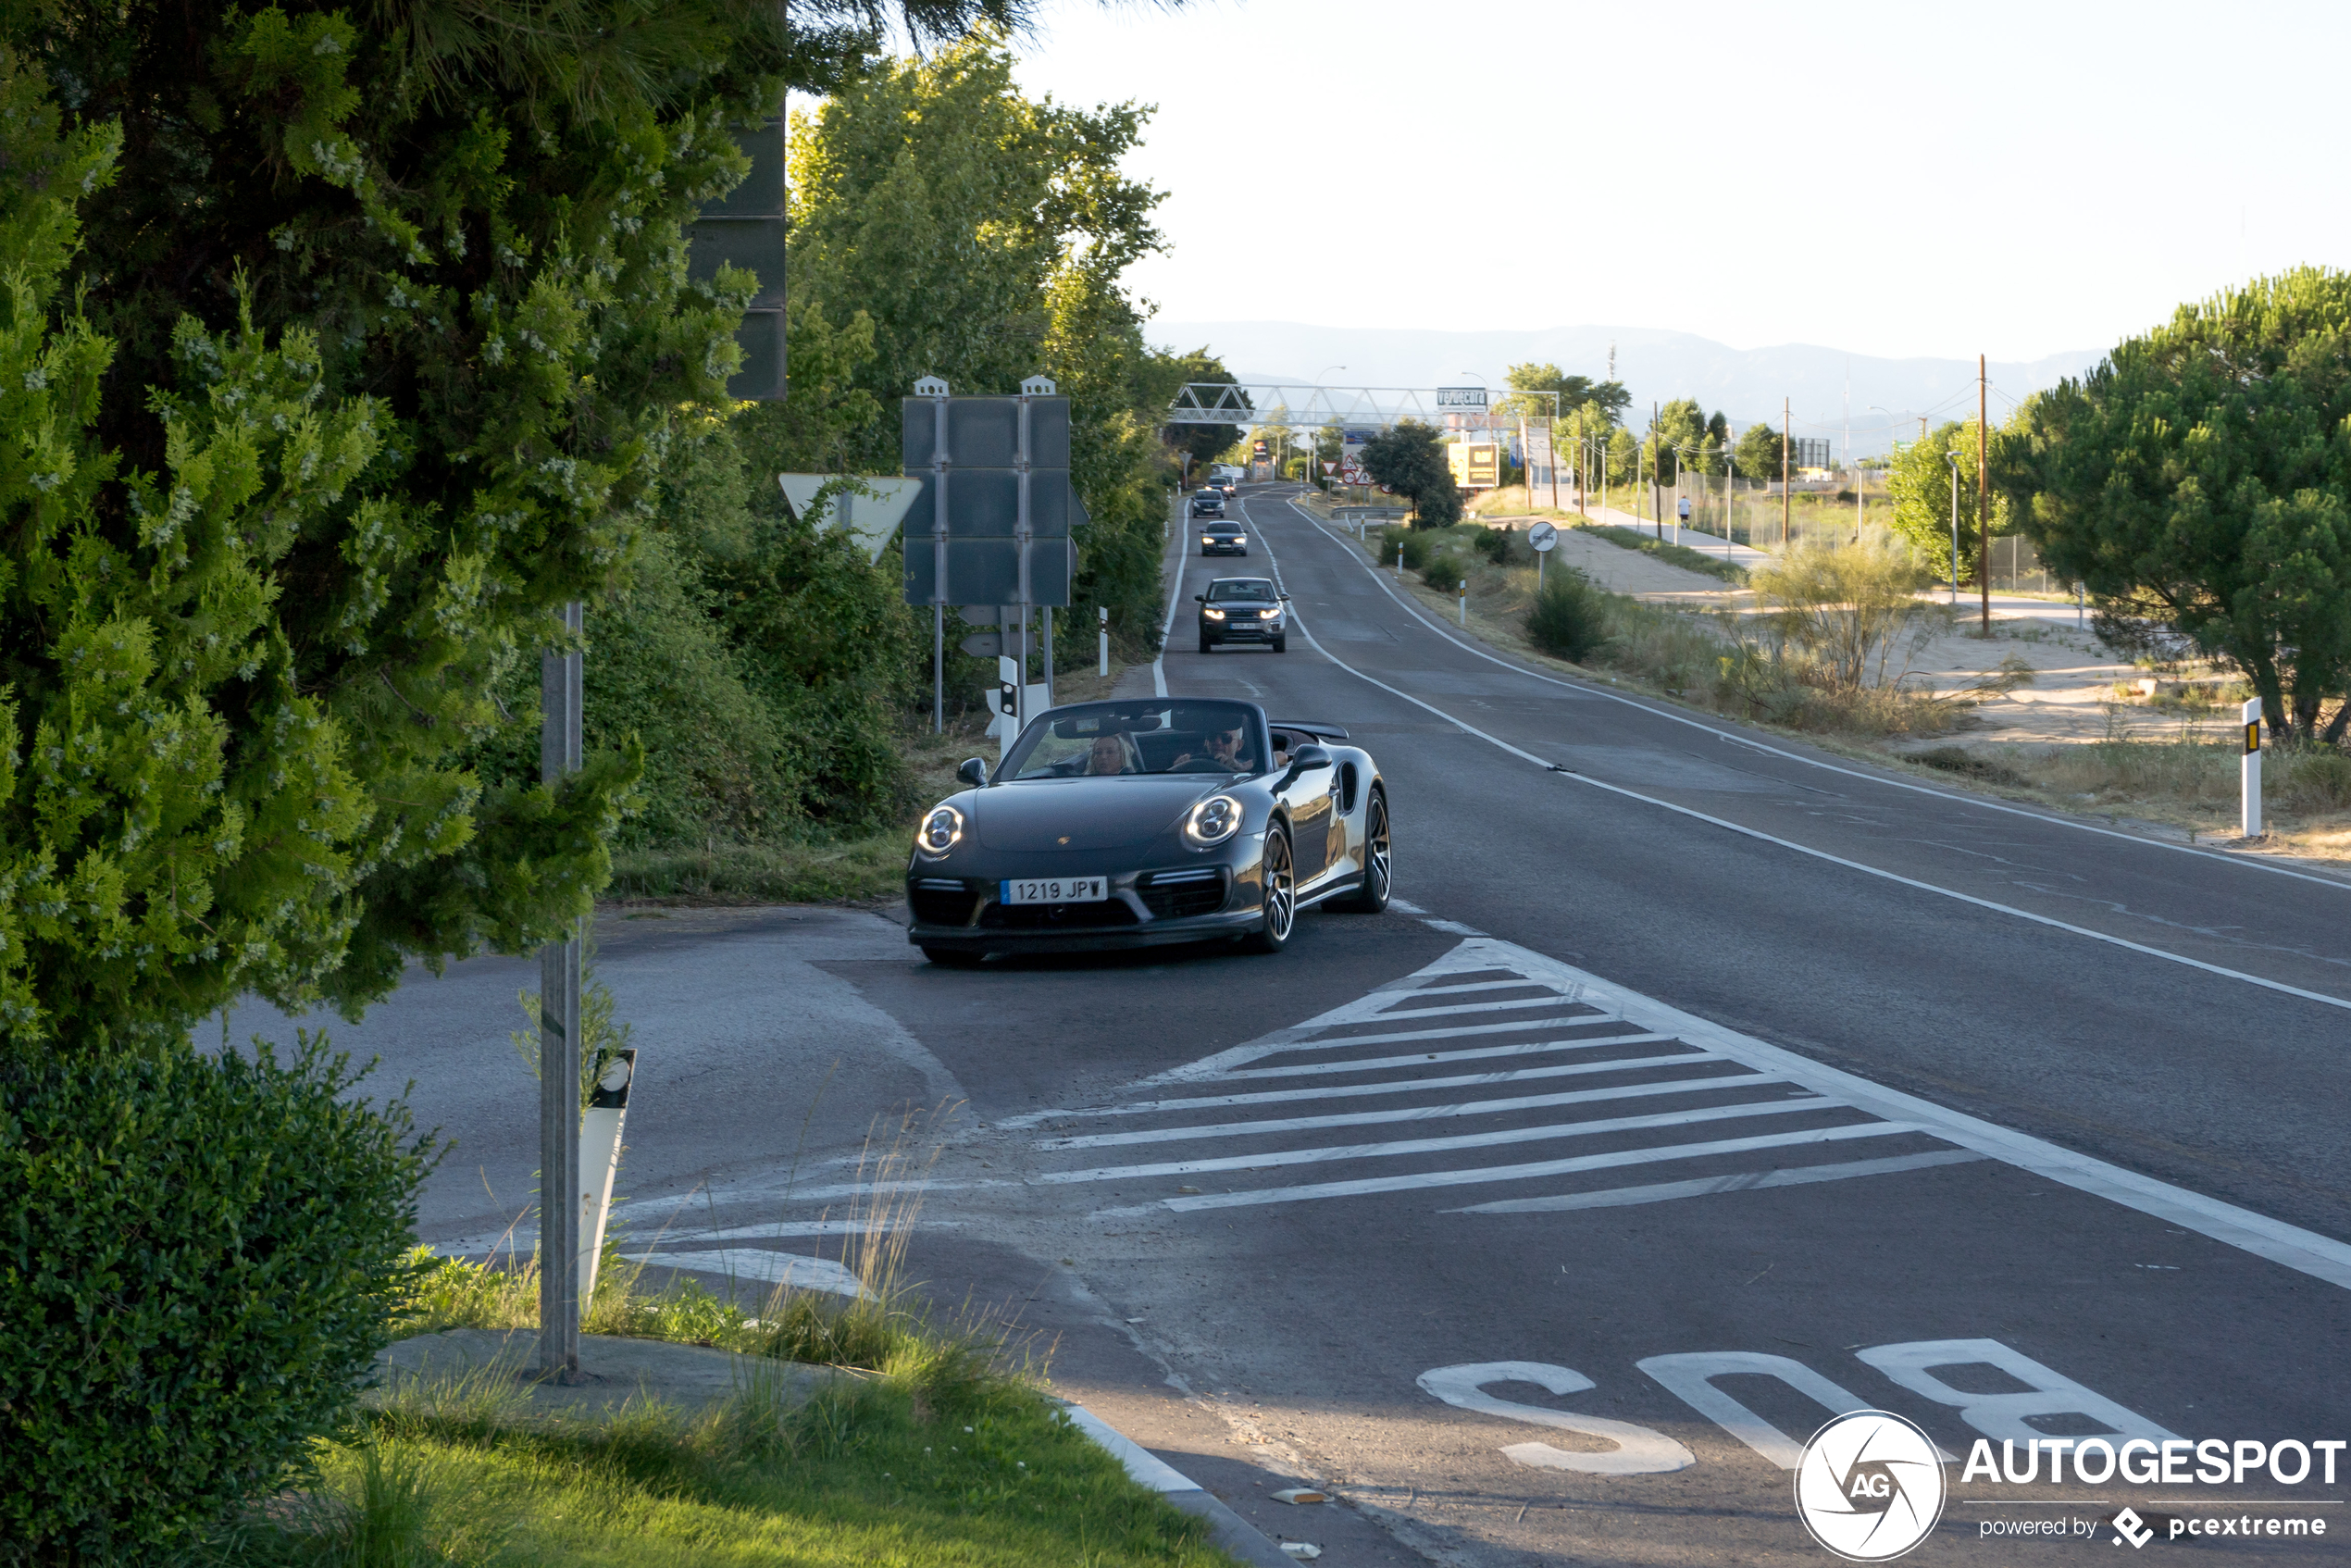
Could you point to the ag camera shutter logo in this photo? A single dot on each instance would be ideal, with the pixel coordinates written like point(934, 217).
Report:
point(1869, 1487)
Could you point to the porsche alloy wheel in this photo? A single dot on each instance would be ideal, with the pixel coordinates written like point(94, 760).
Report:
point(1372, 897)
point(1281, 893)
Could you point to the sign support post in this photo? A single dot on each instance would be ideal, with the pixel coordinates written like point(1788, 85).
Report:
point(559, 754)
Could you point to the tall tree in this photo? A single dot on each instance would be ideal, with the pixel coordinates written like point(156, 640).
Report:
point(1202, 442)
point(2198, 481)
point(1575, 392)
point(1759, 452)
point(1919, 485)
point(1677, 433)
point(1408, 458)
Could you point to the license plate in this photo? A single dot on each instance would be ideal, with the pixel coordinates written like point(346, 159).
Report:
point(1056, 890)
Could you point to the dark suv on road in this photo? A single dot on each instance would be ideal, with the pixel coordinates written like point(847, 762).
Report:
point(1223, 538)
point(1209, 504)
point(1243, 609)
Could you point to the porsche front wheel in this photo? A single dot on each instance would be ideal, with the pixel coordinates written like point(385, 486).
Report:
point(1281, 894)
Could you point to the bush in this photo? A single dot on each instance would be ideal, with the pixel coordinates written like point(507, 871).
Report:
point(196, 1257)
point(1495, 545)
point(1570, 617)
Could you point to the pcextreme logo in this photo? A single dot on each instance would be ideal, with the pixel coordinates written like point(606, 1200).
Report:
point(1870, 1486)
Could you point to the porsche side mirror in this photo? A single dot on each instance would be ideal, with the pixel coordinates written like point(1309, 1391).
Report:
point(974, 772)
point(1305, 760)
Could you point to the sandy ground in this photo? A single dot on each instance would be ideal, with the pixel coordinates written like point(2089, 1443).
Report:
point(2072, 698)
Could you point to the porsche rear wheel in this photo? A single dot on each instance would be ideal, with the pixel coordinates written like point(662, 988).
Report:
point(1281, 894)
point(1372, 897)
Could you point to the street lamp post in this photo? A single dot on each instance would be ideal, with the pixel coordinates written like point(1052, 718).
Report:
point(1953, 459)
point(1342, 434)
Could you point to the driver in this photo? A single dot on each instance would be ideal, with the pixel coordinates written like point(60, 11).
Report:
point(1221, 753)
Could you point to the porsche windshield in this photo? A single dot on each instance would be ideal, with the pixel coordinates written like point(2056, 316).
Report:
point(1144, 736)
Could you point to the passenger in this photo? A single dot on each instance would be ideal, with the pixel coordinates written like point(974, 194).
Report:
point(1112, 753)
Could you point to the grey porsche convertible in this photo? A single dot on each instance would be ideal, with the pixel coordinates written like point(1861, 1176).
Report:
point(1134, 822)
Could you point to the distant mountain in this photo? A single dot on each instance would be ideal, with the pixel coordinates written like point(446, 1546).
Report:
point(1747, 384)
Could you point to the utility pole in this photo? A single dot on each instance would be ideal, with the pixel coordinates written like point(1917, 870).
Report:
point(1983, 491)
point(1786, 504)
point(1656, 475)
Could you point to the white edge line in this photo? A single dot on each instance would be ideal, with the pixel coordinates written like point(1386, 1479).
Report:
point(2307, 1251)
point(1758, 834)
point(1594, 690)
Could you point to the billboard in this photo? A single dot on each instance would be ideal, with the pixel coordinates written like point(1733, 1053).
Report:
point(1477, 465)
point(1466, 398)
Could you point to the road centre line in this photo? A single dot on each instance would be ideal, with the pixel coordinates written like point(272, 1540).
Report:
point(1758, 833)
point(1740, 1181)
point(1393, 1086)
point(1441, 1112)
point(1569, 1167)
point(1377, 1063)
point(1441, 1145)
point(1592, 690)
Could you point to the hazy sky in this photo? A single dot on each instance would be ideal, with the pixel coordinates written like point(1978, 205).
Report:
point(2016, 178)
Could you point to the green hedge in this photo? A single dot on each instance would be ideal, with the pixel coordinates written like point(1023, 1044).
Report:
point(196, 1258)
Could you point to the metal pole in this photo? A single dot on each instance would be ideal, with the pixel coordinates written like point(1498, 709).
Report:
point(1984, 490)
point(1047, 615)
point(1786, 502)
point(1953, 459)
point(559, 751)
point(938, 563)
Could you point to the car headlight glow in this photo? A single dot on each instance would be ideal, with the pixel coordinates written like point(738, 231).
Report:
point(1213, 821)
point(1269, 615)
point(941, 831)
point(1213, 614)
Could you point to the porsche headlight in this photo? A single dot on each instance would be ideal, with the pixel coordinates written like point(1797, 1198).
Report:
point(1213, 614)
point(1213, 821)
point(941, 831)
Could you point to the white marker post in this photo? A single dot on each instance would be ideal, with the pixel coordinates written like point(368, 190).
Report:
point(1103, 612)
point(1464, 603)
point(1008, 694)
point(600, 1161)
point(2249, 770)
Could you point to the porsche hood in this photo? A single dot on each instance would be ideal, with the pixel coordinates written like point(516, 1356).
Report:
point(1083, 813)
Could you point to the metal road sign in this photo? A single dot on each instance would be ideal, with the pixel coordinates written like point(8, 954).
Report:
point(996, 500)
point(1461, 397)
point(1542, 536)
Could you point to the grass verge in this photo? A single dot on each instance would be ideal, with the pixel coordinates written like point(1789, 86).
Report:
point(1680, 556)
point(910, 1466)
point(940, 1447)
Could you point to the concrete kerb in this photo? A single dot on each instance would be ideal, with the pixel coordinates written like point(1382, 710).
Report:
point(642, 1373)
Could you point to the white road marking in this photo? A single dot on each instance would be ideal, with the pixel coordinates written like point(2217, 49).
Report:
point(768, 1268)
point(1444, 1145)
point(1741, 1181)
point(1569, 1021)
point(1400, 1086)
point(1412, 1114)
point(1483, 1052)
point(1529, 1172)
point(1590, 689)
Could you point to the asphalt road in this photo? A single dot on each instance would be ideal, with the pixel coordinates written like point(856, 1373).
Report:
point(1699, 1082)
